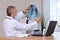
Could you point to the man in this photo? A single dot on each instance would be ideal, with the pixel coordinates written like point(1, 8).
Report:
point(11, 25)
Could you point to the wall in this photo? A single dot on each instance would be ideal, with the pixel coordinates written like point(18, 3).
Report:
point(19, 4)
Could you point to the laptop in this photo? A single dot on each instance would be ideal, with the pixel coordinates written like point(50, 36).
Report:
point(49, 29)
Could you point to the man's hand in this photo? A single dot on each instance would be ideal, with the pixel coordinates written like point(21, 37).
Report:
point(25, 10)
point(38, 19)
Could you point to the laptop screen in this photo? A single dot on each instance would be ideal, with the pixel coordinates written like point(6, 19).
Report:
point(50, 27)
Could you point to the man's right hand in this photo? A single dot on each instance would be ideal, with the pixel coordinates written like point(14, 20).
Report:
point(25, 10)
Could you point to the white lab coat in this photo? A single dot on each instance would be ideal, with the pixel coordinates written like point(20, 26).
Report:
point(12, 27)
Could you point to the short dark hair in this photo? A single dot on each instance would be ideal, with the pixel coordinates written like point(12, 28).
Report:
point(9, 10)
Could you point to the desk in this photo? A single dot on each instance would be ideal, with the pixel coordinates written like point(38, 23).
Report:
point(55, 36)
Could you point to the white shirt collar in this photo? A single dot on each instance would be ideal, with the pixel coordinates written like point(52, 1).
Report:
point(9, 17)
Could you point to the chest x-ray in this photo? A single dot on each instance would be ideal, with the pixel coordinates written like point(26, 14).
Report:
point(33, 12)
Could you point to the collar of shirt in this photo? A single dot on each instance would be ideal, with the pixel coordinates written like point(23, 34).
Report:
point(9, 17)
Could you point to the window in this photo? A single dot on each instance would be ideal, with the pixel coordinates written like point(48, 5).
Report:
point(55, 10)
point(58, 10)
point(53, 13)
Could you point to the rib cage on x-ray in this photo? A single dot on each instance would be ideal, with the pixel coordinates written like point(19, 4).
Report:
point(33, 12)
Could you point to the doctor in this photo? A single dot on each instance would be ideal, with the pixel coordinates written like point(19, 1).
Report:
point(11, 25)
